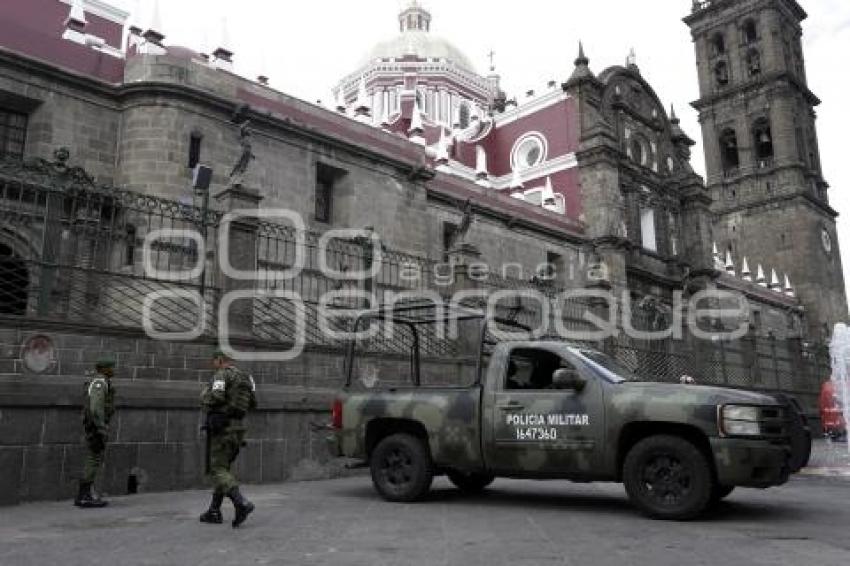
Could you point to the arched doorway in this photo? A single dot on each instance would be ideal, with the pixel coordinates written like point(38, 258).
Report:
point(14, 282)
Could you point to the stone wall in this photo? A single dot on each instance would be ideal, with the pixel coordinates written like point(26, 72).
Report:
point(155, 437)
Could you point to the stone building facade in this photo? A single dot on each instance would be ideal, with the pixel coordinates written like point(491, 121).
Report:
point(592, 172)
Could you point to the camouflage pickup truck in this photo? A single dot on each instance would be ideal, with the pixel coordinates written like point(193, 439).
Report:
point(554, 410)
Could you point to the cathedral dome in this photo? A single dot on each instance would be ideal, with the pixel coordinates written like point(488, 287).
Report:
point(417, 40)
point(422, 45)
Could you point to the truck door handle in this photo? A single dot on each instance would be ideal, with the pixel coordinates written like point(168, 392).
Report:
point(511, 405)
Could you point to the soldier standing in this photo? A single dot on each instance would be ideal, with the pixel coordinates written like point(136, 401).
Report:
point(98, 408)
point(226, 400)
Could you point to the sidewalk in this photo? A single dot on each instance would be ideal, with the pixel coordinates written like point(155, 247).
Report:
point(830, 459)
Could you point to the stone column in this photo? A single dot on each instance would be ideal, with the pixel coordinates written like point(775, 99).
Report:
point(462, 262)
point(242, 240)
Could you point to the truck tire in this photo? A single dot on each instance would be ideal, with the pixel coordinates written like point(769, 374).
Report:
point(720, 492)
point(667, 477)
point(401, 468)
point(470, 482)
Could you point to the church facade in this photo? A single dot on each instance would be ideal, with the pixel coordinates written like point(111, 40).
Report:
point(586, 185)
point(592, 170)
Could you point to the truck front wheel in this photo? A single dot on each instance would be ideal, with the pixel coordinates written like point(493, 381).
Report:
point(470, 482)
point(668, 477)
point(401, 468)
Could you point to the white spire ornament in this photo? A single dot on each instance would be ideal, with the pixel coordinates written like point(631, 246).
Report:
point(516, 180)
point(442, 159)
point(416, 133)
point(223, 56)
point(363, 106)
point(729, 266)
point(153, 35)
point(340, 101)
point(548, 193)
point(718, 263)
point(481, 174)
point(76, 19)
point(385, 118)
point(789, 290)
point(760, 278)
point(774, 281)
point(746, 274)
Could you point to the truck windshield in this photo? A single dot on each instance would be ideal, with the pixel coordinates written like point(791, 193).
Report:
point(611, 368)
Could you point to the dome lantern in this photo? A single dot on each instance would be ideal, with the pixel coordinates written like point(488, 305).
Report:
point(414, 18)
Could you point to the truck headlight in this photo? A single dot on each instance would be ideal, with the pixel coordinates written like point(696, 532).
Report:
point(740, 420)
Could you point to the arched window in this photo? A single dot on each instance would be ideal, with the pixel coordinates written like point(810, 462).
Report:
point(130, 249)
point(721, 73)
point(14, 282)
point(753, 63)
point(718, 44)
point(749, 33)
point(729, 150)
point(637, 150)
point(464, 115)
point(762, 141)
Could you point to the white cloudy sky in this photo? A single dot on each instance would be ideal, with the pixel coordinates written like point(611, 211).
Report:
point(305, 46)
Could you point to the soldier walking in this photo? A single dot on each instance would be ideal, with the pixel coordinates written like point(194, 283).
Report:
point(226, 401)
point(98, 408)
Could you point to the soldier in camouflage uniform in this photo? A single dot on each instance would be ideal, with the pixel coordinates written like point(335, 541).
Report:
point(226, 400)
point(98, 408)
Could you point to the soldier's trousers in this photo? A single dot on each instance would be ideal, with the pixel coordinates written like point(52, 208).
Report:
point(224, 448)
point(96, 448)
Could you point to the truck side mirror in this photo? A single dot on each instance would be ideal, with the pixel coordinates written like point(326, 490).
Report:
point(565, 378)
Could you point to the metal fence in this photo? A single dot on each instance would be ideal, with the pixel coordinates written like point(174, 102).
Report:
point(72, 251)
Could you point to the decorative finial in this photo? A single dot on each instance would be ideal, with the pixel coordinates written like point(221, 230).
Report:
point(154, 35)
point(760, 278)
point(76, 19)
point(746, 274)
point(631, 59)
point(582, 59)
point(774, 281)
point(417, 128)
point(481, 173)
point(673, 118)
point(442, 158)
point(516, 180)
point(363, 106)
point(548, 193)
point(223, 55)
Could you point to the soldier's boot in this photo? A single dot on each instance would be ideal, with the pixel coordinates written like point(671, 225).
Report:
point(213, 514)
point(86, 497)
point(242, 506)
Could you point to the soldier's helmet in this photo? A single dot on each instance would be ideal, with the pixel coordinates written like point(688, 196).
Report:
point(220, 354)
point(104, 363)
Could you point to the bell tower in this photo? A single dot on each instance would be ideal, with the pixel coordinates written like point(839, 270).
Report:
point(770, 200)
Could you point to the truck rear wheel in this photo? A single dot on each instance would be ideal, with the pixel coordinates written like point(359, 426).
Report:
point(668, 477)
point(401, 468)
point(470, 482)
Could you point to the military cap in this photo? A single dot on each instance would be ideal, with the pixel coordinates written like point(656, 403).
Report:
point(220, 354)
point(104, 363)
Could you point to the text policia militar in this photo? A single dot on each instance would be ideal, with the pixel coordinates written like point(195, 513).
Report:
point(709, 314)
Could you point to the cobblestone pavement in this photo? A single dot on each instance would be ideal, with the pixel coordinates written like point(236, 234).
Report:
point(516, 523)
